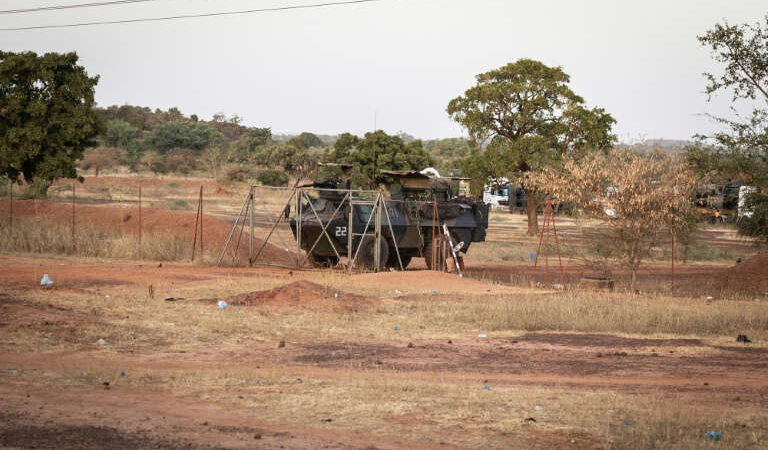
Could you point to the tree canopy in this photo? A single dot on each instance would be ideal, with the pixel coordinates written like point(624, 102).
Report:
point(46, 115)
point(531, 119)
point(375, 152)
point(739, 152)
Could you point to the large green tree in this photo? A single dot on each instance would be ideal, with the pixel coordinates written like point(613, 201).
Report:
point(530, 119)
point(375, 152)
point(740, 151)
point(46, 116)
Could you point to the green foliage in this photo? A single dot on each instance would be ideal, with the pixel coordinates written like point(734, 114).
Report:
point(305, 141)
point(531, 119)
point(46, 115)
point(120, 133)
point(528, 111)
point(757, 224)
point(740, 152)
point(378, 151)
point(272, 177)
point(293, 160)
point(187, 135)
point(248, 145)
point(137, 116)
point(449, 154)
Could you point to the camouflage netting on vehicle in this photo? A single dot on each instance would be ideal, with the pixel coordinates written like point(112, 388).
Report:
point(444, 210)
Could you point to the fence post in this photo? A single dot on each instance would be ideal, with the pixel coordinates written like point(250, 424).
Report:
point(673, 261)
point(73, 217)
point(252, 206)
point(197, 221)
point(11, 210)
point(140, 220)
point(201, 222)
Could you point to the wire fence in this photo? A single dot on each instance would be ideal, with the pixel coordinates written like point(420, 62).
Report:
point(144, 218)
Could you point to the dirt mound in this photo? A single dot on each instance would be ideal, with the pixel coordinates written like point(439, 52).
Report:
point(154, 221)
point(750, 276)
point(300, 294)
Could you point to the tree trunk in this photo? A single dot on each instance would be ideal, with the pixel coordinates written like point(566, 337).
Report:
point(531, 206)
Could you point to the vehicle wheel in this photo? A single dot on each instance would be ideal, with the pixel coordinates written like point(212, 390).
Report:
point(320, 261)
point(367, 255)
point(392, 260)
point(436, 245)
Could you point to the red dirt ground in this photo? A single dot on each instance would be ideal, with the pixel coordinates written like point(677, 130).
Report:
point(300, 294)
point(748, 276)
point(707, 375)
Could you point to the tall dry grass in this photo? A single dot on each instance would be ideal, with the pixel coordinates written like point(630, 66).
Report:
point(50, 238)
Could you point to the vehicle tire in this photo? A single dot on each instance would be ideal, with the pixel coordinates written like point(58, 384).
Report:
point(436, 244)
point(322, 261)
point(392, 260)
point(367, 256)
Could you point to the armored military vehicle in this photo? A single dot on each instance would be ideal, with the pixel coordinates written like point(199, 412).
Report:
point(419, 206)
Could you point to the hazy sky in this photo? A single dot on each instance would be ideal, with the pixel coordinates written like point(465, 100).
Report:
point(330, 70)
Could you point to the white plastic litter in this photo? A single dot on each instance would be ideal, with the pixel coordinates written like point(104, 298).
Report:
point(482, 335)
point(46, 281)
point(222, 304)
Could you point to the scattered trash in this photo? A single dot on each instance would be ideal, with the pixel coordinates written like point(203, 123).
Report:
point(336, 295)
point(482, 335)
point(172, 299)
point(425, 438)
point(46, 281)
point(410, 345)
point(530, 419)
point(709, 298)
point(714, 435)
point(106, 383)
point(486, 387)
point(533, 256)
point(222, 304)
point(558, 287)
point(743, 338)
point(627, 424)
point(432, 291)
point(122, 373)
point(397, 327)
point(106, 297)
point(398, 291)
point(101, 341)
point(327, 420)
point(538, 408)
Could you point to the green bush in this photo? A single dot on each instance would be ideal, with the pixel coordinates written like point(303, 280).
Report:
point(272, 177)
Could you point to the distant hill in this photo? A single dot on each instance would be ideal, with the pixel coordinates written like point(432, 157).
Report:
point(668, 145)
